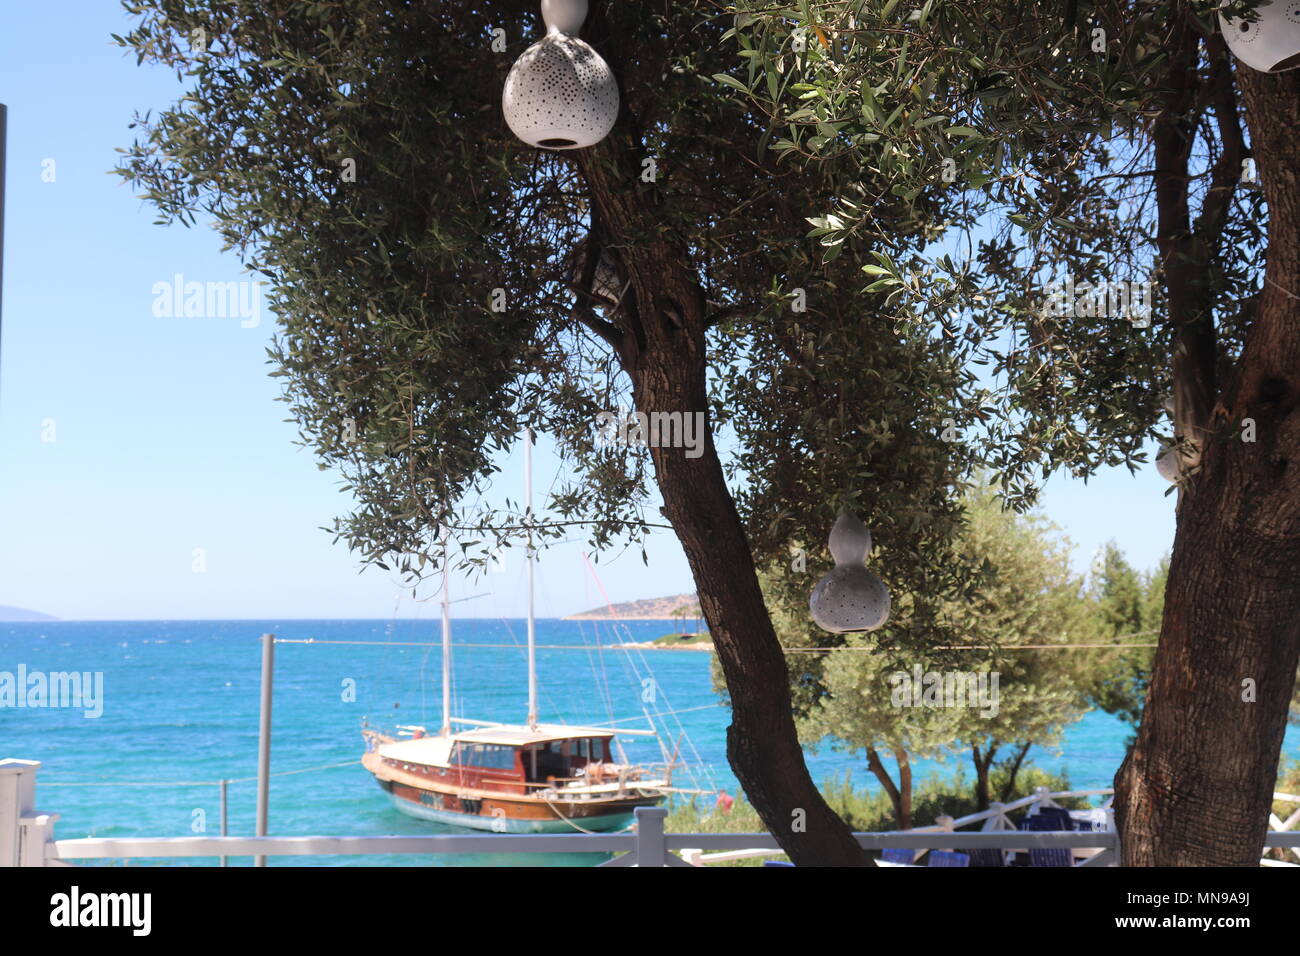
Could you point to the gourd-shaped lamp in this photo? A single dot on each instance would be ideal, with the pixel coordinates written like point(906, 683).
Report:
point(560, 94)
point(1169, 461)
point(850, 598)
point(1271, 43)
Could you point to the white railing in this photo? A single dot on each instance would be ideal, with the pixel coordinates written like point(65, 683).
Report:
point(1278, 825)
point(995, 820)
point(27, 837)
point(992, 820)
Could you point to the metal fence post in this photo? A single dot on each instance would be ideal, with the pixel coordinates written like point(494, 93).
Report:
point(264, 740)
point(223, 818)
point(651, 849)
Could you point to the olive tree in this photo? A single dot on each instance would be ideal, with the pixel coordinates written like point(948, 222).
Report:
point(1123, 144)
point(441, 287)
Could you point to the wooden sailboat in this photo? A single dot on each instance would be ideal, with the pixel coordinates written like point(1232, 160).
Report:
point(526, 778)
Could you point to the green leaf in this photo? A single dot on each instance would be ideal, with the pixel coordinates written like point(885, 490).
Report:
point(731, 81)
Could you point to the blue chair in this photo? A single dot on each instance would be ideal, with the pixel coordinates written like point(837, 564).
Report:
point(1049, 819)
point(988, 857)
point(777, 863)
point(947, 858)
point(896, 855)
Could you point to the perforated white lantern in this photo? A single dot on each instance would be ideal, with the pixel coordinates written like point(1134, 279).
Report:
point(850, 598)
point(1272, 43)
point(560, 94)
point(1169, 463)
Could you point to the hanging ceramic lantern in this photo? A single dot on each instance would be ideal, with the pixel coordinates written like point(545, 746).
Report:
point(1168, 462)
point(560, 94)
point(1271, 44)
point(1172, 459)
point(850, 598)
point(605, 283)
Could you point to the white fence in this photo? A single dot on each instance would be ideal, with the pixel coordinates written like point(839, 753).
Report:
point(27, 837)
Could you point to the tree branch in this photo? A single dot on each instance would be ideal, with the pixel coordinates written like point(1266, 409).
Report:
point(877, 767)
point(1184, 260)
point(1227, 169)
point(588, 317)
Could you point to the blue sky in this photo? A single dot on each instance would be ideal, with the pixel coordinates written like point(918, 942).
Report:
point(166, 436)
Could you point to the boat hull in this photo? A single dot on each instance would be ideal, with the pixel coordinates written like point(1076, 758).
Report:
point(501, 814)
point(504, 824)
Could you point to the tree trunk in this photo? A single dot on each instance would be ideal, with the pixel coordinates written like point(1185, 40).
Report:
point(904, 789)
point(982, 764)
point(1009, 787)
point(762, 744)
point(1196, 788)
point(877, 767)
point(1186, 253)
point(659, 335)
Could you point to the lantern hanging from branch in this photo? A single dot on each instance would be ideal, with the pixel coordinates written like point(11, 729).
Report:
point(1271, 43)
point(850, 598)
point(560, 94)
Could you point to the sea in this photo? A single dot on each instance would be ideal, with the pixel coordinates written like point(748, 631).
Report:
point(180, 705)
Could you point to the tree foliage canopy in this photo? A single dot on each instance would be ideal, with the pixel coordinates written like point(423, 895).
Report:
point(396, 366)
point(841, 221)
point(1049, 123)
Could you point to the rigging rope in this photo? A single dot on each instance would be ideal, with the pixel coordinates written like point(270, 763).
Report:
point(193, 783)
point(639, 647)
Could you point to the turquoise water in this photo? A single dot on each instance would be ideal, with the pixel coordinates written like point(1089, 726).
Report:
point(180, 710)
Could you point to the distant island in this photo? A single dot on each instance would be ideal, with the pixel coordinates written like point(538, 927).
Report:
point(678, 607)
point(8, 613)
point(680, 642)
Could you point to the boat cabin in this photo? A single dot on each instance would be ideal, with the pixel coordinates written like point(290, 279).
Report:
point(515, 759)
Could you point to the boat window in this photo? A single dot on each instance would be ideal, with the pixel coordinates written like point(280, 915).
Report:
point(491, 756)
point(550, 761)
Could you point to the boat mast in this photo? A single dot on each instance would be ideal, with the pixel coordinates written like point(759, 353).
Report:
point(532, 627)
point(446, 644)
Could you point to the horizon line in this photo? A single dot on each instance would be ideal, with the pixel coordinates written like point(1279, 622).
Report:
point(216, 620)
